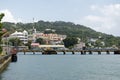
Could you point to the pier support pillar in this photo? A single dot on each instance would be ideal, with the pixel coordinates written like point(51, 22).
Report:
point(33, 52)
point(90, 52)
point(99, 52)
point(83, 52)
point(73, 52)
point(24, 52)
point(64, 52)
point(107, 52)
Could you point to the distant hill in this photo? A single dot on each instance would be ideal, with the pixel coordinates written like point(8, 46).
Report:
point(67, 28)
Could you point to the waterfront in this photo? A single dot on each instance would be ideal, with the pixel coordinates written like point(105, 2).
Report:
point(63, 67)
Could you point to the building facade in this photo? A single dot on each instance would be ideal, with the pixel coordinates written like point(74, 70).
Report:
point(23, 36)
point(52, 38)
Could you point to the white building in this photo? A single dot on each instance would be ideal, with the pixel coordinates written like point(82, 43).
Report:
point(23, 36)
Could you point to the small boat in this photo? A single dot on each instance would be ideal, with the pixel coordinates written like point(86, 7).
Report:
point(49, 52)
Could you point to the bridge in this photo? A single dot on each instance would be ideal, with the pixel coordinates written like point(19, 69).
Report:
point(82, 52)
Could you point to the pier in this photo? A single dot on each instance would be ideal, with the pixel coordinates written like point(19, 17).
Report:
point(82, 52)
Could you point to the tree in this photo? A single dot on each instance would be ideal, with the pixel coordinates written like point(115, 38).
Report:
point(15, 42)
point(29, 44)
point(70, 41)
point(48, 32)
point(40, 41)
point(65, 28)
point(98, 43)
point(1, 31)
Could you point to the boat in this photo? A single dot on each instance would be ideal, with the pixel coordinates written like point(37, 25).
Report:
point(49, 52)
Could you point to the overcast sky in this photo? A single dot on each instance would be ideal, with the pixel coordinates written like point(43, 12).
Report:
point(100, 15)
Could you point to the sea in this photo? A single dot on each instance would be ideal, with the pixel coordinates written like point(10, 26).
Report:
point(63, 67)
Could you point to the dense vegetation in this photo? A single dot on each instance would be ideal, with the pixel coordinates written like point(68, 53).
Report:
point(66, 28)
point(2, 31)
point(70, 41)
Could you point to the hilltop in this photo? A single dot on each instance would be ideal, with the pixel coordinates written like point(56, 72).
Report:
point(66, 28)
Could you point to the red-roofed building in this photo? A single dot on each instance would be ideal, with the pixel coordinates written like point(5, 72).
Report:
point(35, 44)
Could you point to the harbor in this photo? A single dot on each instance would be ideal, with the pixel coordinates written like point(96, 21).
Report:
point(65, 67)
point(60, 40)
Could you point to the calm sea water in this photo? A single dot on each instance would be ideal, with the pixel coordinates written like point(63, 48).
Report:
point(63, 67)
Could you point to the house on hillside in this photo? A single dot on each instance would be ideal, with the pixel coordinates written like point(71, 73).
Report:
point(52, 38)
point(79, 46)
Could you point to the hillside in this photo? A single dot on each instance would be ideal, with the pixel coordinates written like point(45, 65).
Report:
point(66, 28)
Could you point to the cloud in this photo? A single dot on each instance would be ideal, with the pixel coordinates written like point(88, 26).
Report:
point(9, 17)
point(105, 19)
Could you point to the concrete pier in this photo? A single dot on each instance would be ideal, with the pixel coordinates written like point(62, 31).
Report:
point(82, 52)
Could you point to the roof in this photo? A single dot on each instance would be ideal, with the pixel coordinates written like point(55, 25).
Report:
point(51, 46)
point(35, 44)
point(16, 33)
point(25, 32)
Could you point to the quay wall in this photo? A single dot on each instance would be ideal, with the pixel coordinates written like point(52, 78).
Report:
point(4, 62)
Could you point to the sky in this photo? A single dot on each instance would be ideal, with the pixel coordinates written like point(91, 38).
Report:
point(100, 15)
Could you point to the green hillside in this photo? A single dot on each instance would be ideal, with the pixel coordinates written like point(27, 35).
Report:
point(66, 28)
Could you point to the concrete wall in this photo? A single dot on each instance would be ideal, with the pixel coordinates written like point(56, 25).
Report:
point(4, 63)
